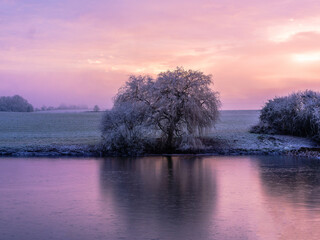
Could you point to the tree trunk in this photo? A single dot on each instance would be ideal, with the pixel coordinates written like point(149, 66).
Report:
point(169, 140)
point(170, 136)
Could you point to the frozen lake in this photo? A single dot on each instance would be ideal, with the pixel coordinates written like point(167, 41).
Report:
point(160, 198)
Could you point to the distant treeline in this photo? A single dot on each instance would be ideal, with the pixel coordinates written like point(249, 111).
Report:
point(62, 107)
point(19, 104)
point(15, 104)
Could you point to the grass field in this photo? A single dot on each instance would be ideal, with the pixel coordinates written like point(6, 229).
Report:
point(20, 130)
point(37, 128)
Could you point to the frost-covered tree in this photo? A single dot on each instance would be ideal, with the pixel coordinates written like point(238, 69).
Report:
point(177, 106)
point(297, 114)
point(15, 104)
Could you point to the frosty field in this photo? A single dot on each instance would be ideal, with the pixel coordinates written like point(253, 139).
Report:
point(45, 133)
point(38, 128)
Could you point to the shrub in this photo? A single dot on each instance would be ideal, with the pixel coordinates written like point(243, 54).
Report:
point(297, 114)
point(124, 131)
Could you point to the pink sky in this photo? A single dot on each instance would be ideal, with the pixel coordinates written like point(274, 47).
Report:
point(81, 52)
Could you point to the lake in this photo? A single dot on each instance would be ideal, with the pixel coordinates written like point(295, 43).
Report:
point(181, 197)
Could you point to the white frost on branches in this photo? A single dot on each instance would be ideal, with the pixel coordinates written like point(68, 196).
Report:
point(297, 114)
point(175, 108)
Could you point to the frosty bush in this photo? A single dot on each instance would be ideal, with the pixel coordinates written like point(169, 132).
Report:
point(15, 104)
point(171, 111)
point(124, 129)
point(297, 114)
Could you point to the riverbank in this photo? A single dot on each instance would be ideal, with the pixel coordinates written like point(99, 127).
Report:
point(233, 137)
point(77, 134)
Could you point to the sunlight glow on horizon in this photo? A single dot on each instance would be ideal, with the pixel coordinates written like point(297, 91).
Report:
point(308, 57)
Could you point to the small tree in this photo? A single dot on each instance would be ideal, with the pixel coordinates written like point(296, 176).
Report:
point(96, 108)
point(177, 106)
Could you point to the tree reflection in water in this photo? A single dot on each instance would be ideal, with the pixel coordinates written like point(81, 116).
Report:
point(291, 188)
point(296, 179)
point(160, 195)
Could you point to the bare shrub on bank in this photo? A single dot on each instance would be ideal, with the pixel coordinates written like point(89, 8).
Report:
point(171, 111)
point(297, 114)
point(124, 131)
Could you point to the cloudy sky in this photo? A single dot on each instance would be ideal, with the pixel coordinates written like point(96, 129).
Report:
point(81, 52)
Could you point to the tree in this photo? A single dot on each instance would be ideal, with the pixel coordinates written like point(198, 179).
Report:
point(15, 104)
point(96, 108)
point(176, 106)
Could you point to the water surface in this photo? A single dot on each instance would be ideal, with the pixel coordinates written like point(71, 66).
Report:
point(160, 198)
